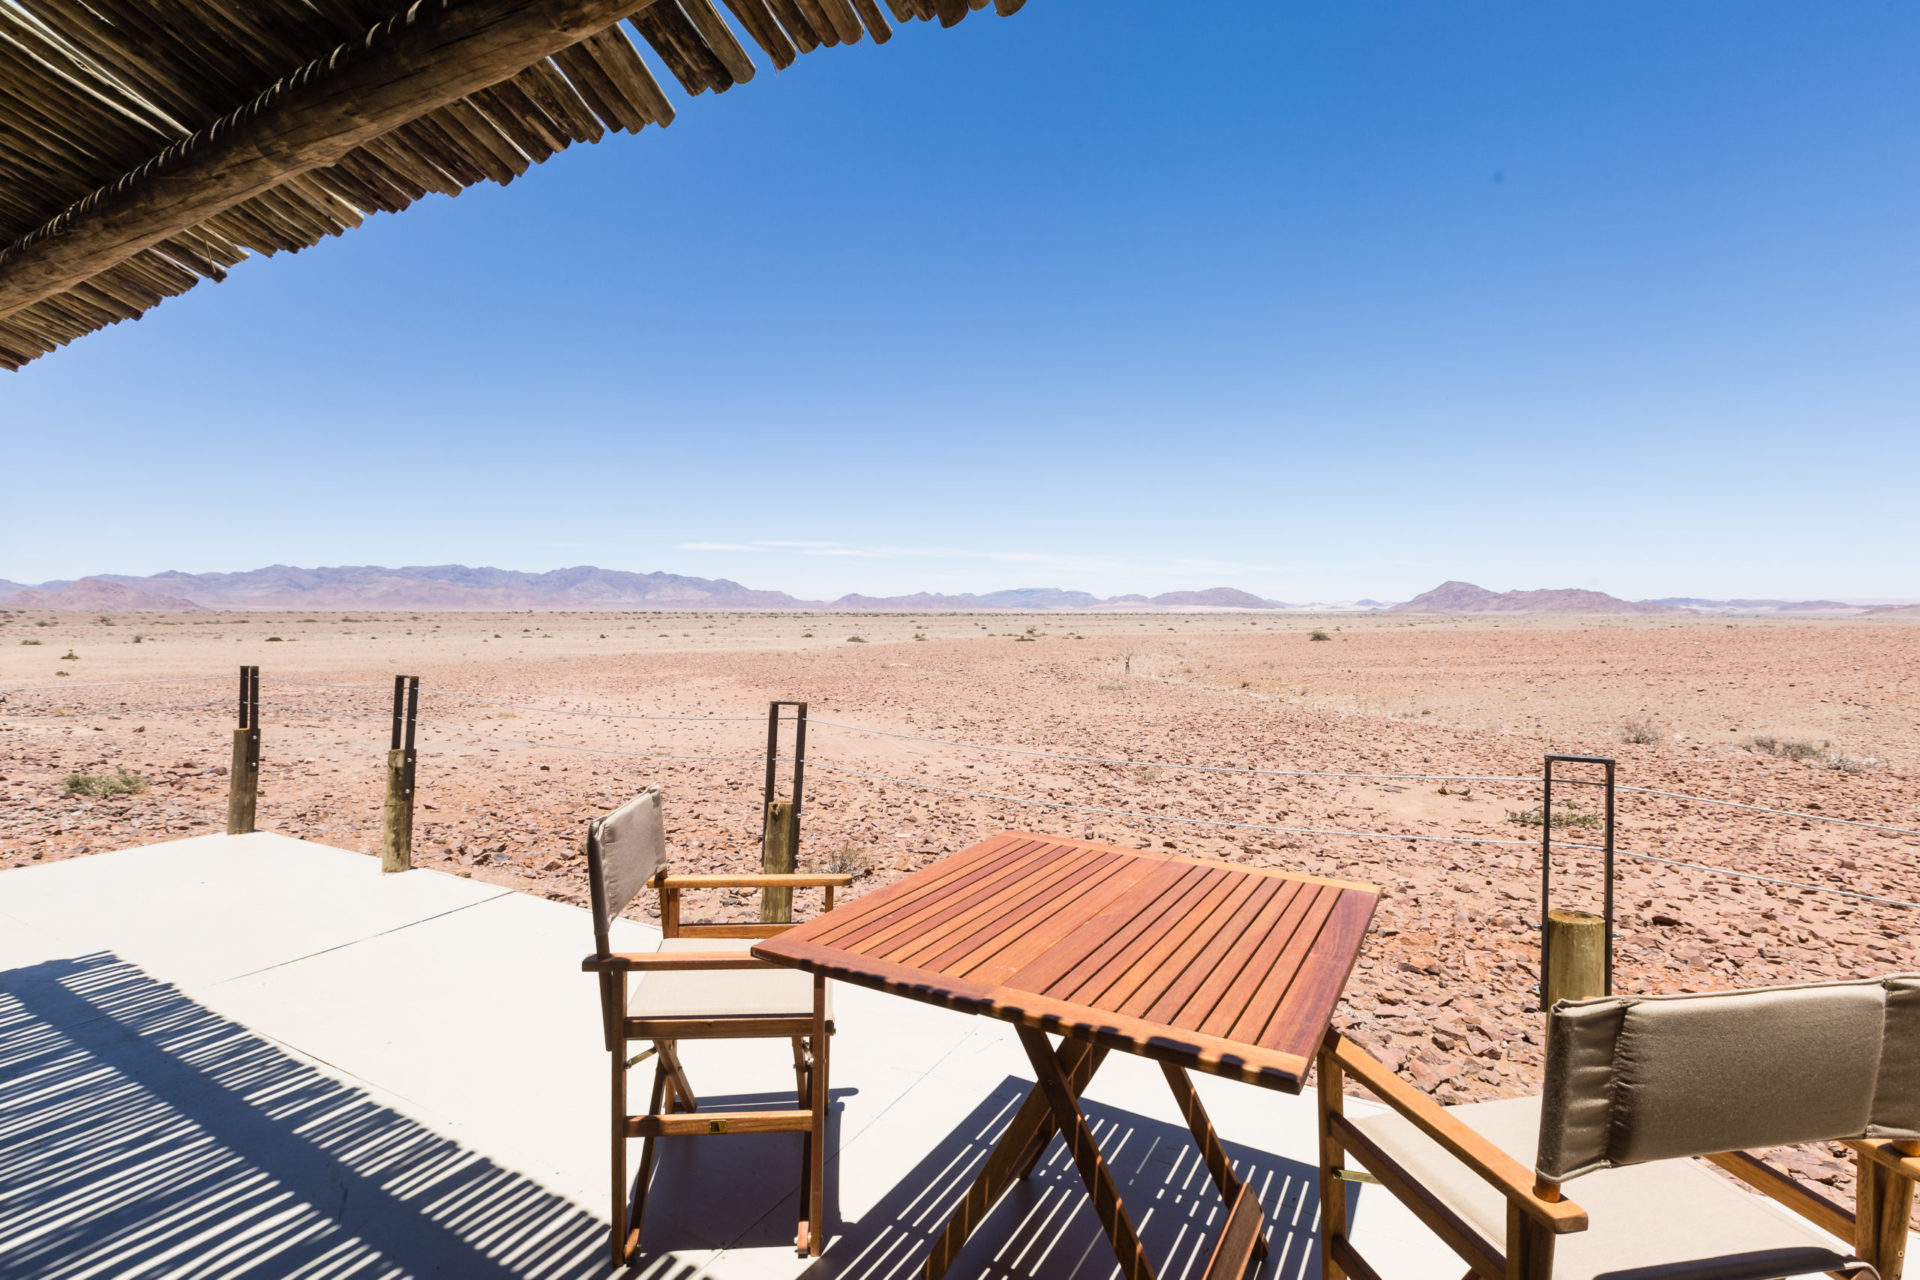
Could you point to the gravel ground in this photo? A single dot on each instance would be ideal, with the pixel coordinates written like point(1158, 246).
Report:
point(1445, 990)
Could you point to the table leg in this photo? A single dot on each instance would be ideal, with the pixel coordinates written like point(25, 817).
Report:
point(1215, 1156)
point(1065, 1105)
point(1079, 1060)
point(1054, 1107)
point(1012, 1157)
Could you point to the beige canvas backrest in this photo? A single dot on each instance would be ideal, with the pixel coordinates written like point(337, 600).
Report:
point(624, 849)
point(1637, 1078)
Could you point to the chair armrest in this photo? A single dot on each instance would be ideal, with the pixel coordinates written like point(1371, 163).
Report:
point(1889, 1155)
point(631, 961)
point(755, 880)
point(1508, 1176)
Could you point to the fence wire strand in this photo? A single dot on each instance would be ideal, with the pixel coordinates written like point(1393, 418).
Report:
point(113, 684)
point(1139, 815)
point(1760, 808)
point(1164, 764)
point(1361, 835)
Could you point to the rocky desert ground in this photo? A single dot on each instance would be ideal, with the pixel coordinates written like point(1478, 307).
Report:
point(1424, 733)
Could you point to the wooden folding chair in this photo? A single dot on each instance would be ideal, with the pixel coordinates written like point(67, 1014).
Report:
point(701, 984)
point(1635, 1086)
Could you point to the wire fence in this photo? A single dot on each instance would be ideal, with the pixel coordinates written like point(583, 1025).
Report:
point(284, 712)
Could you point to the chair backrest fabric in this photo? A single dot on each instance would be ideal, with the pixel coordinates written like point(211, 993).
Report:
point(1636, 1078)
point(624, 850)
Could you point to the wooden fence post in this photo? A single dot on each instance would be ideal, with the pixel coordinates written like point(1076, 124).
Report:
point(396, 818)
point(1576, 947)
point(243, 773)
point(1576, 956)
point(243, 784)
point(776, 858)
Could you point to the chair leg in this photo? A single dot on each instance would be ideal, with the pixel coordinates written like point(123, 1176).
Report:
point(1529, 1247)
point(1331, 1088)
point(803, 1082)
point(802, 1087)
point(677, 1077)
point(619, 1196)
point(816, 1155)
point(643, 1177)
point(1883, 1208)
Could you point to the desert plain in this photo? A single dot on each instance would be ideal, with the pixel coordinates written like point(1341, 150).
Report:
point(928, 733)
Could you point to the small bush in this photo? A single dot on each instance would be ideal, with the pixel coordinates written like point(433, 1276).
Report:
point(856, 639)
point(917, 636)
point(121, 782)
point(1565, 814)
point(1796, 749)
point(29, 642)
point(69, 656)
point(1319, 635)
point(1844, 763)
point(275, 640)
point(849, 860)
point(1640, 731)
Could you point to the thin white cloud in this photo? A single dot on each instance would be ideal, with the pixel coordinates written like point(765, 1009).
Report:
point(715, 546)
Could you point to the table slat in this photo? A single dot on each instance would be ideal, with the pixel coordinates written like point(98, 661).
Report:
point(1229, 969)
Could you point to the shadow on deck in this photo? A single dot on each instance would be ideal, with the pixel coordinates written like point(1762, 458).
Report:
point(141, 1133)
point(1046, 1227)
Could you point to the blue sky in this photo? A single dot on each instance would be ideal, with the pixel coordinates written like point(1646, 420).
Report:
point(1320, 301)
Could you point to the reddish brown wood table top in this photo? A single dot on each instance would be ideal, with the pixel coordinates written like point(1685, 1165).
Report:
point(1226, 969)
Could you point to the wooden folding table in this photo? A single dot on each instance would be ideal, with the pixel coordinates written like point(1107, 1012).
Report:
point(1205, 965)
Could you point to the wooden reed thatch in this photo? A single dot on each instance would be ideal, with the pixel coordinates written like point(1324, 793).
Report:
point(147, 145)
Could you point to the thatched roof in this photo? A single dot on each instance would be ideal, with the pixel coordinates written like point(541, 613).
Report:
point(147, 145)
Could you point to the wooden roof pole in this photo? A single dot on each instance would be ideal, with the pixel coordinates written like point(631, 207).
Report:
point(433, 53)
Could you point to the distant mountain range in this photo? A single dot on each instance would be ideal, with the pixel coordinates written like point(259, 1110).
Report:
point(1464, 597)
point(372, 587)
point(95, 595)
point(1761, 606)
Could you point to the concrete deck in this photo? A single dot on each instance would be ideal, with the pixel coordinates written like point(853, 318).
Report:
point(256, 1056)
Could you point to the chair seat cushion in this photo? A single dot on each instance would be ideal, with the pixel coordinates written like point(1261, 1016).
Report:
point(723, 993)
point(1659, 1221)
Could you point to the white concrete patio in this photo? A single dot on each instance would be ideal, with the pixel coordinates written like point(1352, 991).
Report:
point(256, 1056)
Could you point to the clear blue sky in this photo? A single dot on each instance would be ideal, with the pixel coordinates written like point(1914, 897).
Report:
point(1320, 301)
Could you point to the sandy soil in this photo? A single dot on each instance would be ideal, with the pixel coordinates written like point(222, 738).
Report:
point(1444, 992)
